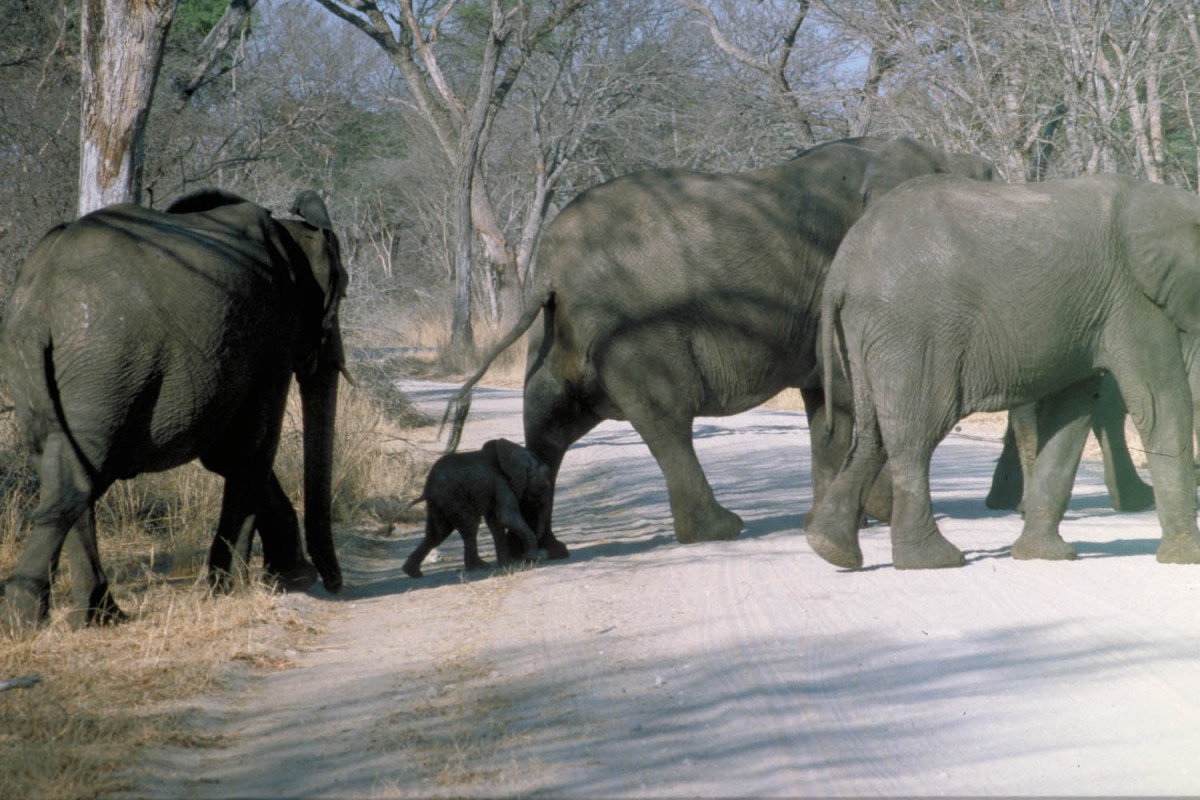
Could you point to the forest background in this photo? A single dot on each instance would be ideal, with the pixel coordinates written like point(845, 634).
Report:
point(446, 134)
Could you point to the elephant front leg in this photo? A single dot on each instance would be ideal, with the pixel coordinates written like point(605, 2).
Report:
point(697, 515)
point(1154, 387)
point(279, 528)
point(470, 537)
point(230, 551)
point(1126, 489)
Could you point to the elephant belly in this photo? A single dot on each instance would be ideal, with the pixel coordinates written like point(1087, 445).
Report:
point(998, 378)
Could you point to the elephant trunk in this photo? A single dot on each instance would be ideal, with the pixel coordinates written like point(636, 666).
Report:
point(318, 397)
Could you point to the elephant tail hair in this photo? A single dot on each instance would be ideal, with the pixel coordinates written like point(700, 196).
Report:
point(459, 405)
point(831, 325)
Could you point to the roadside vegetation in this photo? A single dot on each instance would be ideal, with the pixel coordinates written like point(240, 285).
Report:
point(103, 693)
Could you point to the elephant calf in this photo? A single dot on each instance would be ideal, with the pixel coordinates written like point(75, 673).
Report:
point(495, 483)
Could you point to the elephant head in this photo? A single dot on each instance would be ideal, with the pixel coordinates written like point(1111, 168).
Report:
point(528, 476)
point(895, 161)
point(312, 250)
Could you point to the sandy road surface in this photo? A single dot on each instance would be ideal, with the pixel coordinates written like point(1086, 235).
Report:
point(747, 668)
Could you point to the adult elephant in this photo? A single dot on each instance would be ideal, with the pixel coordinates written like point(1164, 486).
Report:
point(137, 340)
point(667, 295)
point(952, 297)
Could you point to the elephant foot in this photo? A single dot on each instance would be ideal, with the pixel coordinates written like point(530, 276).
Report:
point(1047, 547)
point(1181, 548)
point(412, 568)
point(331, 577)
point(470, 566)
point(295, 579)
point(837, 544)
point(26, 604)
point(847, 555)
point(1136, 497)
point(720, 525)
point(1002, 500)
point(220, 580)
point(554, 549)
point(102, 611)
point(932, 551)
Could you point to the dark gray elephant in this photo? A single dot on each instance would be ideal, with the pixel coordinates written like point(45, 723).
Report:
point(951, 297)
point(667, 295)
point(137, 340)
point(502, 482)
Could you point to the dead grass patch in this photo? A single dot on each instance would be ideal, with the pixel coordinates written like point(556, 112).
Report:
point(105, 693)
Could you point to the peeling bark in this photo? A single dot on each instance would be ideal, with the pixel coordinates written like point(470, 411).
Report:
point(121, 55)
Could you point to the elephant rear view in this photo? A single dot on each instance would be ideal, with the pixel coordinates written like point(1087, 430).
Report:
point(137, 340)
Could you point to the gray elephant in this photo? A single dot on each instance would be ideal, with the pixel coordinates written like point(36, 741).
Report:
point(951, 297)
point(137, 340)
point(502, 482)
point(667, 295)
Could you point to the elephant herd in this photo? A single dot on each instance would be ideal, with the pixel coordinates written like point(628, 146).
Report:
point(899, 289)
point(897, 286)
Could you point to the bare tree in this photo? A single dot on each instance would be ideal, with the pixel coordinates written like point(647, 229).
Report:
point(461, 117)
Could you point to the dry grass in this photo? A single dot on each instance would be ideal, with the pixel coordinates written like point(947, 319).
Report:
point(106, 692)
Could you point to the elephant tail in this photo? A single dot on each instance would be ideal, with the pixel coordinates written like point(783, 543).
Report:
point(459, 405)
point(50, 384)
point(831, 325)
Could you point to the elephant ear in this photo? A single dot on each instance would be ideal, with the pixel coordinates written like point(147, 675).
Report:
point(1159, 231)
point(322, 253)
point(516, 463)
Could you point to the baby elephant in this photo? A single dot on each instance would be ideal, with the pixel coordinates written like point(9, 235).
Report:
point(492, 483)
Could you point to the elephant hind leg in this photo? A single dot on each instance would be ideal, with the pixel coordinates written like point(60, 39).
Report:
point(909, 440)
point(831, 527)
point(437, 528)
point(94, 603)
point(697, 514)
point(66, 494)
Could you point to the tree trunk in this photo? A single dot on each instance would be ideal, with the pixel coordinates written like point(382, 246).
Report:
point(462, 335)
point(121, 54)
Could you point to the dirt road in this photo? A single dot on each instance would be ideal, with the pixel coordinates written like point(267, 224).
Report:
point(749, 668)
